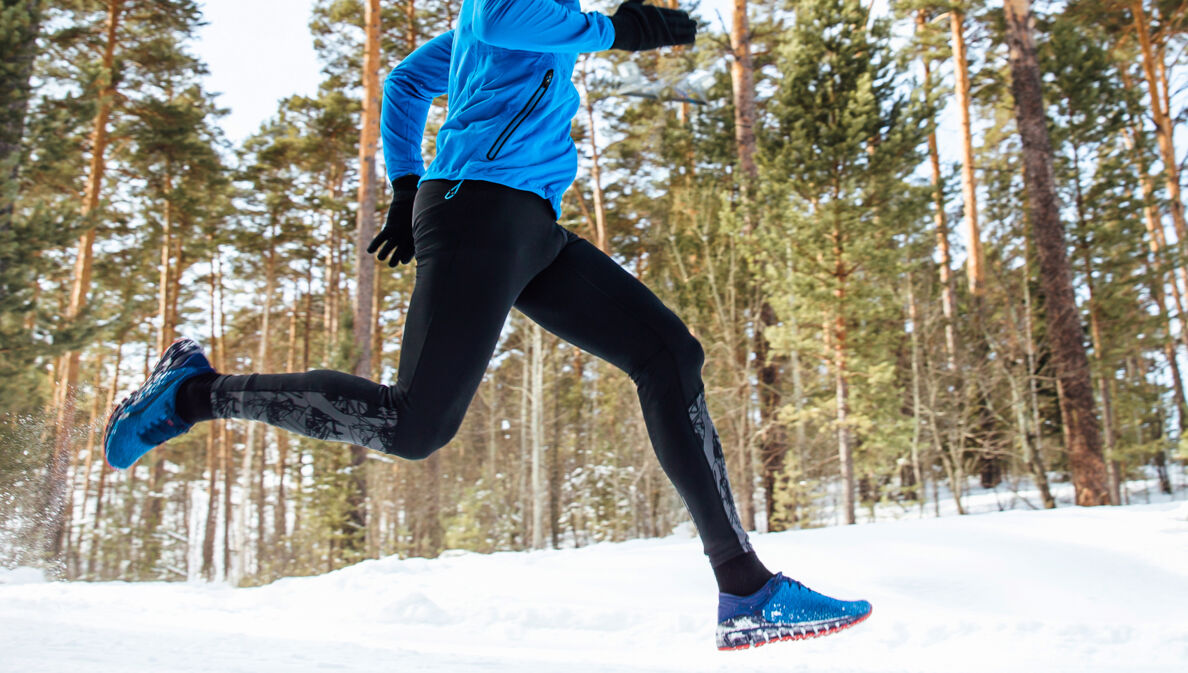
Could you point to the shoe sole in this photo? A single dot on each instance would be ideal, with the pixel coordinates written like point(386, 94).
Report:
point(793, 634)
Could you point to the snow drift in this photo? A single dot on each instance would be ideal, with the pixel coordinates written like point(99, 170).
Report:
point(1072, 589)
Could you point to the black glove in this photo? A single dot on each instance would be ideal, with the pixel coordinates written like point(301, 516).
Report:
point(639, 27)
point(396, 236)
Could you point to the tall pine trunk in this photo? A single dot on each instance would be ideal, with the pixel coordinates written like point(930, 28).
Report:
point(536, 413)
point(1155, 74)
point(773, 442)
point(1078, 408)
point(600, 238)
point(975, 265)
point(948, 296)
point(845, 440)
point(56, 490)
point(364, 265)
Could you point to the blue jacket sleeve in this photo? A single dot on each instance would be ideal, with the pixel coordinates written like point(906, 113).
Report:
point(408, 93)
point(541, 25)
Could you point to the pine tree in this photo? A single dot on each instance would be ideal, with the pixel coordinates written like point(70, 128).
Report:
point(844, 141)
point(1078, 408)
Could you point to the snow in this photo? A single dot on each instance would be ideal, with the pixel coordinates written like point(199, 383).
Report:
point(1071, 589)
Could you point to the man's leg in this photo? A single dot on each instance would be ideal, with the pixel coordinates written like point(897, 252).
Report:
point(475, 252)
point(587, 299)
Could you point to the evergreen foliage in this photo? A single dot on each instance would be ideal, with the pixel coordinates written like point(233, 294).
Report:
point(821, 286)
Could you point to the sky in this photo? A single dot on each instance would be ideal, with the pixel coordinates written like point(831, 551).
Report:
point(258, 51)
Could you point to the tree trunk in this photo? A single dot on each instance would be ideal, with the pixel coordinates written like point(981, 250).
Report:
point(600, 238)
point(210, 526)
point(536, 397)
point(1035, 457)
point(524, 485)
point(1161, 114)
point(1098, 339)
point(365, 224)
point(21, 27)
point(57, 487)
point(948, 297)
point(914, 317)
point(742, 77)
point(1079, 410)
point(845, 445)
point(101, 490)
point(95, 410)
point(165, 272)
point(773, 441)
point(330, 281)
point(364, 265)
point(969, 188)
point(377, 331)
point(258, 432)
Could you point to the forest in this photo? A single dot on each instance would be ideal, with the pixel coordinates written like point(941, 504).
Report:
point(927, 248)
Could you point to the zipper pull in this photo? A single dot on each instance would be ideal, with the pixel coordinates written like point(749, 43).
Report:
point(453, 190)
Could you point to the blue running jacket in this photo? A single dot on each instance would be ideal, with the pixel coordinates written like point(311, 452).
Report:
point(507, 68)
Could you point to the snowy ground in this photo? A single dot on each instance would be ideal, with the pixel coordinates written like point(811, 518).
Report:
point(1084, 590)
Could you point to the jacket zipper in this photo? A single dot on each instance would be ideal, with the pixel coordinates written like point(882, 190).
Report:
point(515, 122)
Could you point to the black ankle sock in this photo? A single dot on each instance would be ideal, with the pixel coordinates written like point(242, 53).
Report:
point(193, 398)
point(742, 575)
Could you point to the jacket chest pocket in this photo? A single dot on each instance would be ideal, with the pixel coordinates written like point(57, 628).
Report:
point(517, 120)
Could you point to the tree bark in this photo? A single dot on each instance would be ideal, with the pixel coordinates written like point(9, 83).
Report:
point(1161, 113)
point(1078, 408)
point(536, 397)
point(975, 265)
point(948, 297)
point(600, 238)
point(56, 487)
point(364, 265)
point(773, 441)
point(365, 224)
point(1035, 456)
point(845, 444)
point(210, 530)
point(742, 77)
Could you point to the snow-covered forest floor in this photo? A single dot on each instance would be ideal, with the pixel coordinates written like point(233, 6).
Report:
point(1072, 589)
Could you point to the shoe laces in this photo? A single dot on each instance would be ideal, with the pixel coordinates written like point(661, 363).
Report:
point(161, 430)
point(794, 584)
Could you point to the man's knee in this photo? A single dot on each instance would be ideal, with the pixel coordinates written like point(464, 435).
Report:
point(690, 356)
point(682, 356)
point(419, 439)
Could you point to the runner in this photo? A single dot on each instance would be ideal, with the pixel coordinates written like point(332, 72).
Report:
point(482, 225)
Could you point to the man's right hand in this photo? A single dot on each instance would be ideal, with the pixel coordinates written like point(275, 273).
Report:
point(639, 27)
point(396, 236)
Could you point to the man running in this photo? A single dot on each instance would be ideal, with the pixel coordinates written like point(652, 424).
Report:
point(482, 224)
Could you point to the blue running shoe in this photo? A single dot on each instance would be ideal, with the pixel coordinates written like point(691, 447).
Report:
point(783, 609)
point(147, 417)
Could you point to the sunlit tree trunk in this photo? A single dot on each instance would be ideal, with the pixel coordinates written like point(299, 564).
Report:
point(773, 442)
point(599, 213)
point(56, 489)
point(1155, 74)
point(364, 265)
point(948, 297)
point(975, 265)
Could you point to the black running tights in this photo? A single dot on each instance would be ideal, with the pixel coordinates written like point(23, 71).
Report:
point(480, 251)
